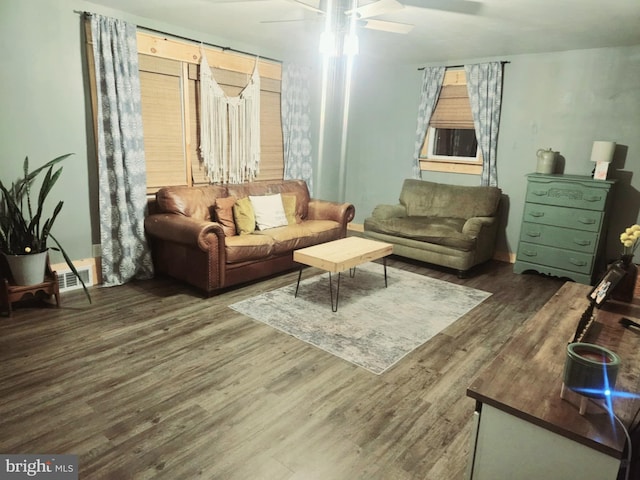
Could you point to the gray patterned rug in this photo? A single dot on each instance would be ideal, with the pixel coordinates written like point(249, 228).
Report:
point(374, 327)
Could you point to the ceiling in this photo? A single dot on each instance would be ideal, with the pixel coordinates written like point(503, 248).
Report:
point(447, 31)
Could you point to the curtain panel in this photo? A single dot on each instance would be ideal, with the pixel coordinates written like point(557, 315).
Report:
point(432, 78)
point(296, 123)
point(120, 145)
point(484, 84)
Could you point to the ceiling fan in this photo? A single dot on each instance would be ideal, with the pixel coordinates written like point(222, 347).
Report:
point(367, 10)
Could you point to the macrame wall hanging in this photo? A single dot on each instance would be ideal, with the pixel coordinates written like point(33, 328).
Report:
point(229, 128)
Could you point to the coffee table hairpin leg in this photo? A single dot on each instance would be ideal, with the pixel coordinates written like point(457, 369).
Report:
point(352, 273)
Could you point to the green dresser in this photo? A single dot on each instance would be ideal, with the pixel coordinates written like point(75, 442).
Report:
point(563, 226)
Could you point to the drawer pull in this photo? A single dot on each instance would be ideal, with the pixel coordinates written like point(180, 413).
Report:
point(530, 253)
point(593, 199)
point(582, 243)
point(532, 234)
point(577, 263)
point(586, 221)
point(537, 214)
point(540, 193)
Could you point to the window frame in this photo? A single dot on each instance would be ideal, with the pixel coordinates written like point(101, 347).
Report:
point(441, 163)
point(430, 142)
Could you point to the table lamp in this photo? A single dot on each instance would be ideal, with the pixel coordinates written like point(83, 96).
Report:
point(602, 155)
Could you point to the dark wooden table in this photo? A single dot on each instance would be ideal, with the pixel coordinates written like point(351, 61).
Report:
point(525, 379)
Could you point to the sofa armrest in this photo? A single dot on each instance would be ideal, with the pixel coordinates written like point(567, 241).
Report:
point(183, 230)
point(384, 212)
point(473, 226)
point(342, 213)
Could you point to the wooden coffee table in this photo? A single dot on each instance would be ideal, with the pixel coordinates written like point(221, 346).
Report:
point(340, 255)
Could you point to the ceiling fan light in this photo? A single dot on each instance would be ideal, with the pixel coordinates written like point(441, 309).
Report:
point(328, 43)
point(351, 44)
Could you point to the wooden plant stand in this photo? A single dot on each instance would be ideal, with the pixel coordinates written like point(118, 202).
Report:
point(10, 293)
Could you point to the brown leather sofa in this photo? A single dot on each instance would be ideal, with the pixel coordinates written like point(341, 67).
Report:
point(187, 243)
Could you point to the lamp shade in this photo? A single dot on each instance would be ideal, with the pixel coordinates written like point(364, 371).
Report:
point(603, 151)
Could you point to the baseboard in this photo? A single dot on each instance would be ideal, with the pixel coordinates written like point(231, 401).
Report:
point(508, 257)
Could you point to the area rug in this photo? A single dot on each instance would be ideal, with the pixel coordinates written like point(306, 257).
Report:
point(374, 327)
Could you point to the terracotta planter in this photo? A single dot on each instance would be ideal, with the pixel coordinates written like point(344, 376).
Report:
point(27, 269)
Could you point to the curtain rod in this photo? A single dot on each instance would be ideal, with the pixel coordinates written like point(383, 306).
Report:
point(460, 66)
point(224, 49)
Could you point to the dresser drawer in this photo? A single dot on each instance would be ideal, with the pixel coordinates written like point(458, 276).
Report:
point(563, 217)
point(566, 194)
point(578, 240)
point(556, 257)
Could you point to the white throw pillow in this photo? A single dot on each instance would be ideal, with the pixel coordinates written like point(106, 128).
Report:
point(269, 211)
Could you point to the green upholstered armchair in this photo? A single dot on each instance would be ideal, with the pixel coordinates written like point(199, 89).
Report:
point(449, 225)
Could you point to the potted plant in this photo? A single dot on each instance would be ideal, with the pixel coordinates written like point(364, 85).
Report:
point(24, 231)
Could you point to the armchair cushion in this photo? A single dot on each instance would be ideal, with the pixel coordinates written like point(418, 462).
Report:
point(435, 230)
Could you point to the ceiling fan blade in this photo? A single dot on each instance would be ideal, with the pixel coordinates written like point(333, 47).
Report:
point(309, 7)
point(383, 25)
point(292, 20)
point(470, 7)
point(377, 8)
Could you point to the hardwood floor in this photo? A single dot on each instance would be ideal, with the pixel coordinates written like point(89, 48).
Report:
point(154, 381)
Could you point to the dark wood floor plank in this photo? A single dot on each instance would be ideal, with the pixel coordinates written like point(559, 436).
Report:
point(153, 380)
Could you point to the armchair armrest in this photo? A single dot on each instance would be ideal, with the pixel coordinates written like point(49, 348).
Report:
point(183, 230)
point(473, 226)
point(383, 212)
point(342, 213)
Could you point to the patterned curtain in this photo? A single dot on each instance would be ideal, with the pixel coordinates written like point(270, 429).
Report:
point(296, 123)
point(484, 84)
point(121, 162)
point(431, 84)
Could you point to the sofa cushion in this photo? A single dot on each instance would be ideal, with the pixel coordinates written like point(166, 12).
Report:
point(195, 202)
point(244, 248)
point(269, 211)
point(224, 214)
point(301, 235)
point(437, 230)
point(422, 198)
point(243, 216)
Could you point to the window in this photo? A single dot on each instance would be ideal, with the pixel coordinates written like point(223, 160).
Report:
point(170, 107)
point(450, 144)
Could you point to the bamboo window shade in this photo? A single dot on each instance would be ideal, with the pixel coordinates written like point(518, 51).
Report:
point(169, 84)
point(160, 81)
point(453, 109)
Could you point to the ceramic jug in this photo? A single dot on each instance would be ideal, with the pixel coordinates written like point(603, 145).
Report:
point(546, 161)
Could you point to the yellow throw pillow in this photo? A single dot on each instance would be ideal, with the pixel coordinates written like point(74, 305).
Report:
point(289, 203)
point(244, 217)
